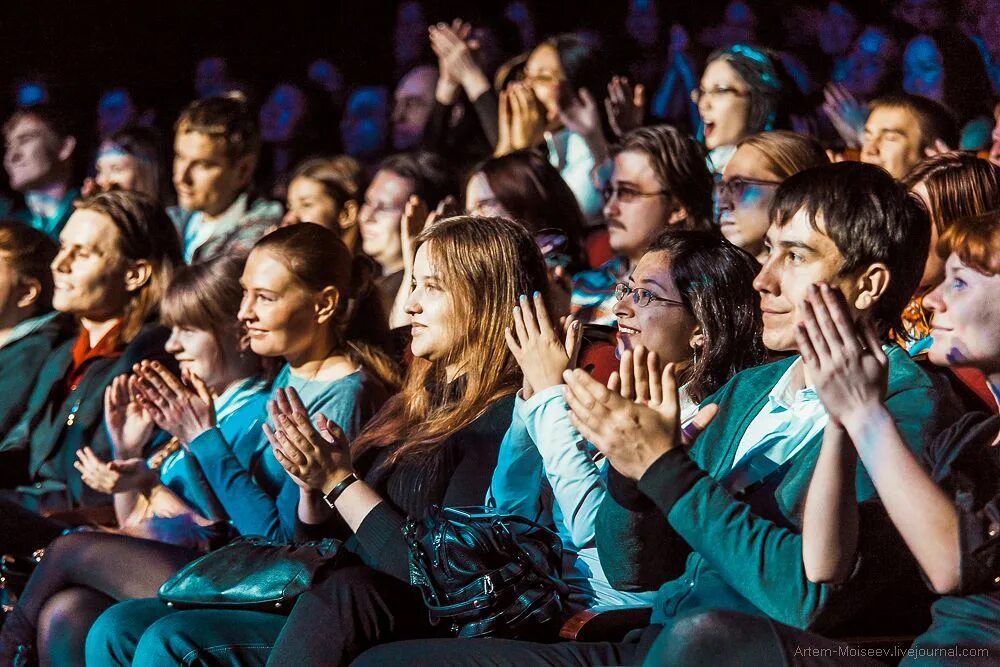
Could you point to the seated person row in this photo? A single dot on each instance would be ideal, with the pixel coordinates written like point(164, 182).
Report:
point(435, 443)
point(700, 524)
point(944, 503)
point(296, 301)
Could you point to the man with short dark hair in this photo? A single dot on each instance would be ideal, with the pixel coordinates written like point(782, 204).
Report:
point(216, 146)
point(715, 527)
point(902, 129)
point(40, 149)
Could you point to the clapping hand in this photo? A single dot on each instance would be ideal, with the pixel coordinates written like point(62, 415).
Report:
point(456, 61)
point(631, 435)
point(183, 411)
point(624, 105)
point(115, 476)
point(847, 366)
point(129, 425)
point(317, 457)
point(539, 351)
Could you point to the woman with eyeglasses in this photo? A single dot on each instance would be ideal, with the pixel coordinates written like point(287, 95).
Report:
point(659, 181)
point(741, 92)
point(689, 302)
point(759, 165)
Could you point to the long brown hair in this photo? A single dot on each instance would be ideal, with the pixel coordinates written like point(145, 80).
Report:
point(959, 186)
point(145, 233)
point(319, 259)
point(486, 263)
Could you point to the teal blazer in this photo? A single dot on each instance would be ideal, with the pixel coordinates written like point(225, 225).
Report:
point(678, 528)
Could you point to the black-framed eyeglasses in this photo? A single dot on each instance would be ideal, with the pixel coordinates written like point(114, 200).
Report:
point(643, 297)
point(626, 193)
point(737, 186)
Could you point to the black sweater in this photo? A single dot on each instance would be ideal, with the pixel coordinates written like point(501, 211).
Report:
point(456, 474)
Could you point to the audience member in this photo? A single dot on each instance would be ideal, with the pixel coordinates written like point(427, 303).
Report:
point(327, 191)
point(412, 104)
point(130, 159)
point(216, 147)
point(690, 301)
point(399, 177)
point(952, 186)
point(759, 165)
point(29, 328)
point(39, 156)
point(364, 127)
point(902, 130)
point(116, 255)
point(660, 179)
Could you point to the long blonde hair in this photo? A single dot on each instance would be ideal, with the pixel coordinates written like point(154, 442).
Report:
point(486, 263)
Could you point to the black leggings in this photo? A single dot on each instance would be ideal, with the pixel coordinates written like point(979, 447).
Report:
point(81, 575)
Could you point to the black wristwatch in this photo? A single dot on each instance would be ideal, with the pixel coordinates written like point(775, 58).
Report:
point(331, 497)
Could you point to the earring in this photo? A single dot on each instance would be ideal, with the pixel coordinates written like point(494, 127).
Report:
point(694, 357)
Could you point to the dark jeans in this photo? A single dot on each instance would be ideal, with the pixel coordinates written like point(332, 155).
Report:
point(353, 609)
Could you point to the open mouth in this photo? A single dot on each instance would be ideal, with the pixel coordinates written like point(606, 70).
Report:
point(628, 331)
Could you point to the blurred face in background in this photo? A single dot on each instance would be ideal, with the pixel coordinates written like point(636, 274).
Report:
point(308, 201)
point(923, 69)
point(411, 109)
point(380, 216)
point(115, 110)
point(281, 113)
point(34, 154)
point(481, 200)
point(364, 125)
point(744, 195)
point(205, 177)
point(724, 105)
point(892, 140)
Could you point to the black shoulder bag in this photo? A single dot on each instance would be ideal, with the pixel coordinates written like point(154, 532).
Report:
point(486, 574)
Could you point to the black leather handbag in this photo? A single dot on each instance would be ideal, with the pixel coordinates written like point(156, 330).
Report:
point(486, 574)
point(250, 573)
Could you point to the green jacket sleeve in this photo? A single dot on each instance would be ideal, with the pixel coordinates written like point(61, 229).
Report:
point(761, 559)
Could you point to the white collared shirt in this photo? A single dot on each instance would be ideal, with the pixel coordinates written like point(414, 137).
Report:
point(790, 418)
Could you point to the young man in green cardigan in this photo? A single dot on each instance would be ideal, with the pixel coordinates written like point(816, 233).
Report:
point(715, 527)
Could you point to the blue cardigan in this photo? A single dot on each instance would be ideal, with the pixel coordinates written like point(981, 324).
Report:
point(239, 466)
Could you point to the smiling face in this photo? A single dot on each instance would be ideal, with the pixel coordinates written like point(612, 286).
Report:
point(798, 256)
point(743, 205)
point(199, 352)
point(635, 215)
point(89, 271)
point(308, 201)
point(966, 310)
point(892, 140)
point(277, 310)
point(432, 310)
point(664, 328)
point(379, 219)
point(116, 170)
point(204, 176)
point(923, 69)
point(724, 105)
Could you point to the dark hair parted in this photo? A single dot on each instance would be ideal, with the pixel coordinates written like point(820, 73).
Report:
point(145, 233)
point(715, 280)
point(318, 259)
point(535, 195)
point(228, 119)
point(785, 153)
point(29, 252)
point(680, 165)
point(432, 178)
point(959, 185)
point(871, 218)
point(935, 120)
point(485, 264)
